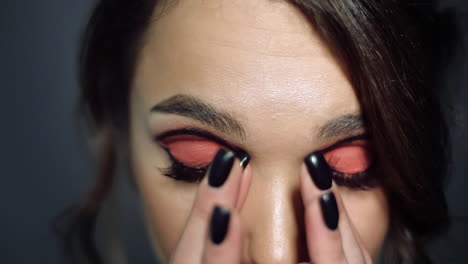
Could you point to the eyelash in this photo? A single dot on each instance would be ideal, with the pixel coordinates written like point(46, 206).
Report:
point(363, 180)
point(180, 172)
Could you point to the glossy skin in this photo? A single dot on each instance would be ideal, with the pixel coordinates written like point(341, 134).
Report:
point(262, 63)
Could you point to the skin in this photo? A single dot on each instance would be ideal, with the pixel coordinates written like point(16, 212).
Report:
point(262, 63)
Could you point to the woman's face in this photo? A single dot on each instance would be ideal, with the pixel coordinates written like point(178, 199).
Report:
point(251, 76)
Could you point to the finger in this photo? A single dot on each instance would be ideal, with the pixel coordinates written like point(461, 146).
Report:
point(220, 187)
point(321, 212)
point(246, 180)
point(333, 211)
point(224, 243)
point(353, 249)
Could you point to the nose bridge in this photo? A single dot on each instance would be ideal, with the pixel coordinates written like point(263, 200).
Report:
point(273, 216)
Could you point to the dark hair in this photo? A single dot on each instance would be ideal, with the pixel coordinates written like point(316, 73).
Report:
point(388, 54)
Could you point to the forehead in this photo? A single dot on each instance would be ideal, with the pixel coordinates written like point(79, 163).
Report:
point(257, 59)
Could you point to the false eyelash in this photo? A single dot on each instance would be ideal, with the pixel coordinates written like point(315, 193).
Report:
point(363, 180)
point(180, 172)
point(360, 181)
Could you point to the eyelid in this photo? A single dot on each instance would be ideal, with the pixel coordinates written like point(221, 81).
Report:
point(350, 158)
point(192, 151)
point(344, 141)
point(195, 132)
point(200, 133)
point(178, 171)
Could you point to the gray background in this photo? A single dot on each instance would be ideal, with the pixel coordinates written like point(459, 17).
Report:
point(44, 161)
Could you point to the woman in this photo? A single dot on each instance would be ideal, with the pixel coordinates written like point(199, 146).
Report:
point(318, 119)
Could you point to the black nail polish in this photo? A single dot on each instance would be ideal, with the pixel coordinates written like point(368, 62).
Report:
point(220, 168)
point(219, 224)
point(329, 210)
point(244, 158)
point(319, 170)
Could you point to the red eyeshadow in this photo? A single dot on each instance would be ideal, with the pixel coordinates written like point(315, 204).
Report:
point(193, 151)
point(352, 157)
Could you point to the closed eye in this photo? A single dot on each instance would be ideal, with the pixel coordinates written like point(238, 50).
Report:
point(190, 150)
point(351, 157)
point(352, 162)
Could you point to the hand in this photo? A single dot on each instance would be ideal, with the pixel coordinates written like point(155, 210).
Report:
point(331, 237)
point(213, 233)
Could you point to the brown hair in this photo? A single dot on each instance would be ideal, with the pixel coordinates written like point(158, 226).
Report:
point(389, 58)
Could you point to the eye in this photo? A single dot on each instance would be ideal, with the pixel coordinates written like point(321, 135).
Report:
point(350, 157)
point(352, 162)
point(191, 150)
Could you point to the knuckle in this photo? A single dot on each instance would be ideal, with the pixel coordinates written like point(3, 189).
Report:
point(202, 209)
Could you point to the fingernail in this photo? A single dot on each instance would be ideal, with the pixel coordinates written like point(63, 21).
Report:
point(220, 168)
point(244, 158)
point(329, 210)
point(219, 224)
point(319, 170)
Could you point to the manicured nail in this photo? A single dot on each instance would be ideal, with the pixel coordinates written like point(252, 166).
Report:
point(319, 170)
point(219, 224)
point(220, 168)
point(244, 158)
point(329, 210)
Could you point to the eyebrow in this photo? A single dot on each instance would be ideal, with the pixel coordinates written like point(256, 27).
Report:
point(341, 126)
point(196, 109)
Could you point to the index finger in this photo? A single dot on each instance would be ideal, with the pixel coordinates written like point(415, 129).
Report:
point(220, 187)
point(322, 233)
point(331, 238)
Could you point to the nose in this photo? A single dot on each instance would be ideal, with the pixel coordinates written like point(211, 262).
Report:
point(273, 217)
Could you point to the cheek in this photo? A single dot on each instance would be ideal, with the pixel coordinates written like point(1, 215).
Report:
point(167, 210)
point(166, 203)
point(368, 211)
